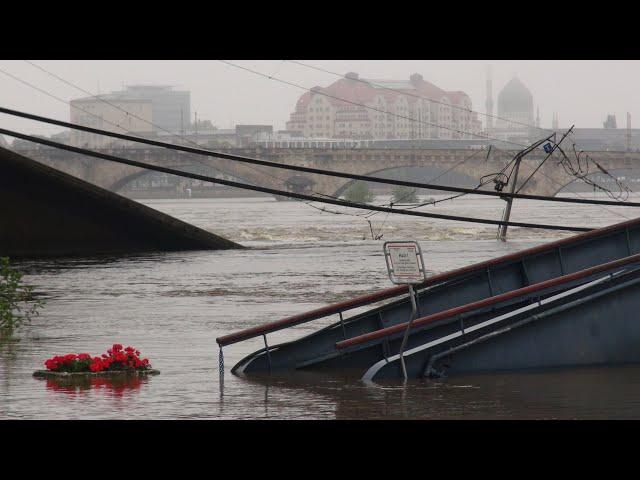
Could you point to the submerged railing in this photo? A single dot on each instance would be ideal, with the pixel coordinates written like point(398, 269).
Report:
point(453, 312)
point(340, 307)
point(336, 308)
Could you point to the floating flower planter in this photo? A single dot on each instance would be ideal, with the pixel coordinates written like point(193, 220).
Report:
point(115, 363)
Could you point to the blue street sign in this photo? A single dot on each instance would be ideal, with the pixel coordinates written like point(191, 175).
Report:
point(548, 148)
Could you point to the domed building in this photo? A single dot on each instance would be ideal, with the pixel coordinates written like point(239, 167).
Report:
point(515, 102)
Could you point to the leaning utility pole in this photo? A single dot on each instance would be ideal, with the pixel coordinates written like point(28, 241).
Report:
point(502, 231)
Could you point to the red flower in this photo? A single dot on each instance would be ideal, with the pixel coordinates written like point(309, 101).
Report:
point(115, 359)
point(51, 364)
point(96, 365)
point(69, 358)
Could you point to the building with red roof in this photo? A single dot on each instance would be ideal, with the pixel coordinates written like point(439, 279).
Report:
point(384, 109)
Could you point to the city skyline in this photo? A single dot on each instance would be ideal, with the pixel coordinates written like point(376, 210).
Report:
point(228, 95)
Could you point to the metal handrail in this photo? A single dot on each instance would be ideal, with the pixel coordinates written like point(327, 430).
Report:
point(321, 312)
point(392, 292)
point(452, 312)
point(371, 373)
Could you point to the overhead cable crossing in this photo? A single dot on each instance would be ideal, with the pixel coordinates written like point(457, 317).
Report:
point(272, 191)
point(368, 107)
point(422, 97)
point(332, 173)
point(624, 190)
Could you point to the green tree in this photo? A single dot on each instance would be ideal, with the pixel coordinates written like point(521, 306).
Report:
point(359, 192)
point(402, 194)
point(17, 304)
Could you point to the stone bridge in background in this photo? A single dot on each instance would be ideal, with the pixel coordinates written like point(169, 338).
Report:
point(113, 176)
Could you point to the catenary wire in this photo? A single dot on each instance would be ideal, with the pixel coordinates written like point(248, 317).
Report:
point(333, 173)
point(271, 191)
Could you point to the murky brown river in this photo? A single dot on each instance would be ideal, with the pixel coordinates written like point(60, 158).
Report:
point(172, 306)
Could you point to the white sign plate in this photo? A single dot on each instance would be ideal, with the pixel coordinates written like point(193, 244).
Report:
point(404, 262)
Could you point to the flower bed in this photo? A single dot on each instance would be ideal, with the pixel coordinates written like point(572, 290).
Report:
point(117, 361)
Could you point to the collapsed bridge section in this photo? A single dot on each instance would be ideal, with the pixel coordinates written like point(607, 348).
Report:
point(47, 213)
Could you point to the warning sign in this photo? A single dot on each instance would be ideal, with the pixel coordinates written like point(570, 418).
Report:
point(404, 262)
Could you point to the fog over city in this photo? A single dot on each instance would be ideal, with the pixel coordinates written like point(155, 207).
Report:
point(319, 239)
point(580, 92)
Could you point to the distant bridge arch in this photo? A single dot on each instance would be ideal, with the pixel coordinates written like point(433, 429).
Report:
point(186, 167)
point(549, 180)
point(473, 180)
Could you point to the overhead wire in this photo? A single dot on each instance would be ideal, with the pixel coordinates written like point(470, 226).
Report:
point(369, 107)
point(582, 173)
point(410, 94)
point(117, 125)
point(272, 77)
point(613, 212)
point(262, 172)
point(151, 123)
point(623, 189)
point(332, 173)
point(102, 99)
point(569, 170)
point(547, 157)
point(272, 191)
point(431, 100)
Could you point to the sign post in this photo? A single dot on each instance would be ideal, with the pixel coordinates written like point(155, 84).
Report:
point(405, 266)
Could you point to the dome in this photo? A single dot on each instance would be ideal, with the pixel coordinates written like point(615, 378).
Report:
point(515, 97)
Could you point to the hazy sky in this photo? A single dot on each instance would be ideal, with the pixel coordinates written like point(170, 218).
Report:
point(582, 92)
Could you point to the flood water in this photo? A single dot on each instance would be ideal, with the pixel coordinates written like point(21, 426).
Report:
point(172, 306)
